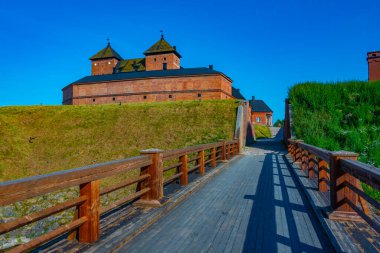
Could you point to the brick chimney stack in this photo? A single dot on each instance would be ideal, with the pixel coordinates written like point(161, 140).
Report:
point(373, 59)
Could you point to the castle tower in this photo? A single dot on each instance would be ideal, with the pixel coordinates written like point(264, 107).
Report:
point(162, 56)
point(104, 61)
point(373, 59)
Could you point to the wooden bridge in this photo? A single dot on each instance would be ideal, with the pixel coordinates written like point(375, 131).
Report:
point(215, 197)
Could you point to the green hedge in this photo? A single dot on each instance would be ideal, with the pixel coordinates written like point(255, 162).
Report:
point(339, 116)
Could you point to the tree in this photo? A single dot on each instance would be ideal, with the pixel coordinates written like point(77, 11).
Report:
point(279, 123)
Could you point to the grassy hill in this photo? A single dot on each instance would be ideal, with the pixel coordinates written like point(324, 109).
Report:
point(262, 132)
point(339, 116)
point(41, 139)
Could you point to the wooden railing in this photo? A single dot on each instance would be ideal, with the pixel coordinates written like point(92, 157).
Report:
point(149, 191)
point(341, 175)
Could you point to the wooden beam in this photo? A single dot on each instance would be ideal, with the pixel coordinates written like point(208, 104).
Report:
point(90, 230)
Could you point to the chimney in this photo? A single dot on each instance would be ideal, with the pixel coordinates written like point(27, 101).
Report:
point(253, 98)
point(211, 66)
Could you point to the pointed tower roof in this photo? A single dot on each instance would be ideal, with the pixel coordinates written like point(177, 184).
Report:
point(105, 53)
point(160, 47)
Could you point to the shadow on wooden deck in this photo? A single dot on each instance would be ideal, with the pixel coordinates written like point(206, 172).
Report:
point(280, 222)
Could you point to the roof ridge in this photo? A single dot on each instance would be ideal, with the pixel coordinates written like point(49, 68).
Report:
point(103, 54)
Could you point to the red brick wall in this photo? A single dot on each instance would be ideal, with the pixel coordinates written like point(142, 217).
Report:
point(149, 90)
point(373, 59)
point(103, 67)
point(262, 116)
point(155, 62)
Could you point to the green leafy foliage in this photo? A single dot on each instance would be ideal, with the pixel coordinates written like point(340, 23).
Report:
point(279, 123)
point(340, 116)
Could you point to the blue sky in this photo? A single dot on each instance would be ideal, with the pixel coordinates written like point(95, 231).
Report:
point(264, 46)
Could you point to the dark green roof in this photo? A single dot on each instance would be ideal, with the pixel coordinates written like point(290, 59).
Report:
point(105, 53)
point(149, 74)
point(161, 46)
point(129, 65)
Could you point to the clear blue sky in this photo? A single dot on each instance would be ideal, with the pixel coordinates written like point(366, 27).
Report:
point(264, 46)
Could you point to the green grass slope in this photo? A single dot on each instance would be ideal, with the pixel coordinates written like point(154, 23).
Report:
point(65, 137)
point(262, 131)
point(340, 116)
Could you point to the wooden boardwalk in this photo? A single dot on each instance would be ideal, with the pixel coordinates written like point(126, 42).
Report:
point(253, 205)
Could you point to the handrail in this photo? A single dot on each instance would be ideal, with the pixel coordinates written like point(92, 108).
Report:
point(21, 189)
point(341, 171)
point(369, 175)
point(149, 190)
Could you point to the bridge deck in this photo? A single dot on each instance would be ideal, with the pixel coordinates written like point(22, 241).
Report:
point(254, 205)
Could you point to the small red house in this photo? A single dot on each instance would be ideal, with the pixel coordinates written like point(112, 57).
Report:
point(261, 114)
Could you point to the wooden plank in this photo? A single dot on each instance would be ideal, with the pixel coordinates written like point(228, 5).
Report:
point(320, 152)
point(17, 190)
point(185, 151)
point(364, 172)
point(213, 157)
point(176, 165)
point(90, 230)
point(172, 178)
point(26, 247)
point(201, 162)
point(124, 184)
point(322, 175)
point(8, 226)
point(125, 200)
point(184, 179)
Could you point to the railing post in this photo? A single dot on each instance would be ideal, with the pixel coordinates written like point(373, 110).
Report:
point(155, 182)
point(89, 231)
point(213, 157)
point(311, 165)
point(223, 150)
point(184, 178)
point(340, 194)
point(322, 175)
point(304, 159)
point(201, 162)
point(298, 154)
point(228, 151)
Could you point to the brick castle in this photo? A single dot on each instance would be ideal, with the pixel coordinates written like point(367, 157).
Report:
point(156, 77)
point(373, 59)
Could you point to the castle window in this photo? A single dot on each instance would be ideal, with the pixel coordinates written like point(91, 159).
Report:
point(373, 54)
point(93, 100)
point(199, 95)
point(164, 58)
point(170, 96)
point(113, 98)
point(258, 119)
point(164, 66)
point(145, 97)
point(155, 59)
